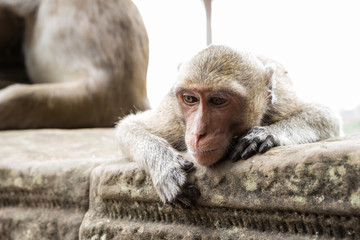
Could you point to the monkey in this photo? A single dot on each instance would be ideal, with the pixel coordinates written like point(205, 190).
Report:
point(225, 104)
point(12, 67)
point(87, 62)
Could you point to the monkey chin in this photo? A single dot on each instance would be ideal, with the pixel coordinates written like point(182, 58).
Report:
point(207, 158)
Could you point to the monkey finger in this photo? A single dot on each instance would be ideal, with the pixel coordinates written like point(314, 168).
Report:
point(257, 139)
point(267, 144)
point(171, 204)
point(236, 156)
point(187, 198)
point(249, 151)
point(165, 193)
point(184, 201)
point(192, 191)
point(238, 150)
point(188, 166)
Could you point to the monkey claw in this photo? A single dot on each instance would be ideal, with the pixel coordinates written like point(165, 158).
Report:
point(70, 184)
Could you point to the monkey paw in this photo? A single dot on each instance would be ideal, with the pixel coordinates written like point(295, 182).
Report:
point(258, 139)
point(172, 185)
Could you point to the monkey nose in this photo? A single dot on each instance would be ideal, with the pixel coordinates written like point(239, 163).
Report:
point(198, 137)
point(197, 132)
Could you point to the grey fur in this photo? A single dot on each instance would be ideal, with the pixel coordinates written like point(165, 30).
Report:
point(152, 137)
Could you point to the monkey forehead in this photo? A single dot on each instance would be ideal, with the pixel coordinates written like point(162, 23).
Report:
point(232, 87)
point(219, 64)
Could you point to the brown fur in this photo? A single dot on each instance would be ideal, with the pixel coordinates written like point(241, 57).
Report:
point(91, 58)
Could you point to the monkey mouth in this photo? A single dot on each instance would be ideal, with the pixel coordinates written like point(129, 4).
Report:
point(206, 151)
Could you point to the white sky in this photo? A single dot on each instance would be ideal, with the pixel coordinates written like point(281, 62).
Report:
point(318, 41)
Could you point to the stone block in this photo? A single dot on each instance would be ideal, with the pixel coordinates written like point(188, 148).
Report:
point(70, 184)
point(44, 180)
point(294, 192)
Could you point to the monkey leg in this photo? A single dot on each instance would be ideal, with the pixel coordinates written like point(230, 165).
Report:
point(5, 83)
point(311, 123)
point(12, 76)
point(59, 105)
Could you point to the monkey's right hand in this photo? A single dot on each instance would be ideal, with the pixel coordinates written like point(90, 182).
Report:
point(171, 183)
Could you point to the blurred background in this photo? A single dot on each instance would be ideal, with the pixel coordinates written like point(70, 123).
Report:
point(317, 41)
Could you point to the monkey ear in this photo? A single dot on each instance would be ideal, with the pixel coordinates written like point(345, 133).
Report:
point(270, 78)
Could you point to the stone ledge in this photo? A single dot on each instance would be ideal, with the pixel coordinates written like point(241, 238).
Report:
point(125, 229)
point(44, 179)
point(297, 192)
point(303, 191)
point(39, 223)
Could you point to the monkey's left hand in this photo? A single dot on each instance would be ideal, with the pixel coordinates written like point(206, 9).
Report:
point(258, 139)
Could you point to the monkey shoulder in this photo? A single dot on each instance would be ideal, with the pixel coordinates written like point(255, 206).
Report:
point(163, 121)
point(170, 125)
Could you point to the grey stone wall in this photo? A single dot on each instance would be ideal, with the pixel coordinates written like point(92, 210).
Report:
point(69, 184)
point(44, 180)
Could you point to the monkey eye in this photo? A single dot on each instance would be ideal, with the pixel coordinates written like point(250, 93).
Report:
point(190, 99)
point(218, 100)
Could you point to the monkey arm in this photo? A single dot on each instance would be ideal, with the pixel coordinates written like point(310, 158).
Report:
point(310, 123)
point(5, 83)
point(292, 121)
point(289, 121)
point(146, 137)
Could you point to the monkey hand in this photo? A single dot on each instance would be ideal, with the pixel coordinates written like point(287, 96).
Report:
point(258, 139)
point(172, 185)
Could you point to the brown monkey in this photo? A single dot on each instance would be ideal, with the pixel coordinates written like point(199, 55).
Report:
point(91, 58)
point(225, 103)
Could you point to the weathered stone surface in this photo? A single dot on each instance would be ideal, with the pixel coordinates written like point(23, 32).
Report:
point(47, 177)
point(44, 180)
point(39, 223)
point(295, 192)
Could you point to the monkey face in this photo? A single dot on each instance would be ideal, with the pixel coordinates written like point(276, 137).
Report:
point(209, 119)
point(221, 94)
